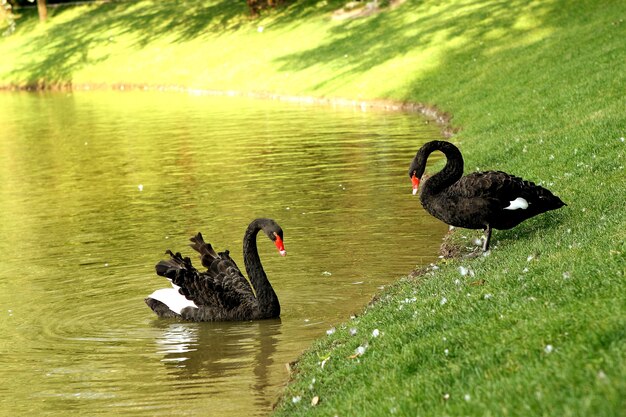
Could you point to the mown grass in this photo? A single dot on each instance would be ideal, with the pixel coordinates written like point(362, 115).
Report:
point(538, 327)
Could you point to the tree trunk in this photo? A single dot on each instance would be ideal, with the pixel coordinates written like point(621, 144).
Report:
point(42, 9)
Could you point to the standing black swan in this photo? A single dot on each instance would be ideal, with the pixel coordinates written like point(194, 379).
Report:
point(221, 293)
point(481, 200)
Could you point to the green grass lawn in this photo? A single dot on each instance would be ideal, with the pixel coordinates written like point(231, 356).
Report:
point(537, 89)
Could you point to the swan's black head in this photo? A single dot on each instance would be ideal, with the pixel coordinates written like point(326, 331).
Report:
point(418, 165)
point(275, 233)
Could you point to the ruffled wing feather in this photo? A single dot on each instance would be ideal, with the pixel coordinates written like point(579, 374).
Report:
point(221, 286)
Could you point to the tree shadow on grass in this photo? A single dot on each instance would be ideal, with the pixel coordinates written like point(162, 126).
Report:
point(353, 47)
point(67, 44)
point(359, 45)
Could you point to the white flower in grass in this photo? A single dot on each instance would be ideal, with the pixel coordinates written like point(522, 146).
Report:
point(488, 296)
point(465, 271)
point(467, 397)
point(446, 396)
point(446, 351)
point(140, 187)
point(353, 331)
point(548, 349)
point(375, 333)
point(566, 275)
point(443, 300)
point(530, 258)
point(296, 399)
point(330, 331)
point(360, 350)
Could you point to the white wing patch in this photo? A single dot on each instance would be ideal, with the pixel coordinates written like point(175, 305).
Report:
point(174, 300)
point(176, 287)
point(518, 203)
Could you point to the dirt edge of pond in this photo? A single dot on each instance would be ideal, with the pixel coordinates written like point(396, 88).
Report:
point(431, 112)
point(450, 248)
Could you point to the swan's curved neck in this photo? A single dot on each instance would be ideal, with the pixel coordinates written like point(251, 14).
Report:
point(450, 173)
point(266, 297)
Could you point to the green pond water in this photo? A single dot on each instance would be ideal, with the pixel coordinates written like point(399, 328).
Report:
point(96, 186)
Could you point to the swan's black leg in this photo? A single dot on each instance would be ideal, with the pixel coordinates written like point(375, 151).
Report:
point(487, 238)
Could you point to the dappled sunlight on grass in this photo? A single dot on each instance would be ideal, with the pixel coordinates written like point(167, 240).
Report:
point(78, 42)
point(406, 47)
point(84, 36)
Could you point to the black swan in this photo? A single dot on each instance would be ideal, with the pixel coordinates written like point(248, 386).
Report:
point(221, 293)
point(481, 200)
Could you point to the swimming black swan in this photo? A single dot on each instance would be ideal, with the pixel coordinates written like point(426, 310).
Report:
point(481, 200)
point(221, 293)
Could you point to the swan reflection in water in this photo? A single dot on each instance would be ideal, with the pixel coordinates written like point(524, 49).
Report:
point(212, 352)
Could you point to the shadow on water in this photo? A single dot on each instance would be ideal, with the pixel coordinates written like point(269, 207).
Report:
point(210, 352)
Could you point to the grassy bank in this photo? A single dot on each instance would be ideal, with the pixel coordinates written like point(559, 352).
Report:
point(538, 327)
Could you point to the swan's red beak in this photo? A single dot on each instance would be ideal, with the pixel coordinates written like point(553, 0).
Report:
point(280, 246)
point(416, 183)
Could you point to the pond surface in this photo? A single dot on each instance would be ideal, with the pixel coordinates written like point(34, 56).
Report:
point(94, 188)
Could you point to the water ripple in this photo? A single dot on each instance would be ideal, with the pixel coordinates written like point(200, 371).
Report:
point(101, 184)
